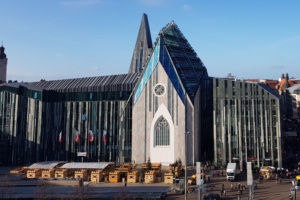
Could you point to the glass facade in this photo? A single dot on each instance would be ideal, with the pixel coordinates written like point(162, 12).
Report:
point(31, 121)
point(148, 71)
point(247, 123)
point(180, 60)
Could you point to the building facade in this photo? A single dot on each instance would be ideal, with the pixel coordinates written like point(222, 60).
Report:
point(247, 123)
point(169, 101)
point(53, 120)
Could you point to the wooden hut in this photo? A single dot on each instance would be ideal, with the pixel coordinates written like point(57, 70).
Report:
point(97, 176)
point(114, 177)
point(34, 173)
point(19, 170)
point(132, 177)
point(168, 177)
point(81, 174)
point(48, 173)
point(150, 176)
point(61, 173)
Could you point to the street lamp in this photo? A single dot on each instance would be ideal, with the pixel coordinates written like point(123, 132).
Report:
point(185, 145)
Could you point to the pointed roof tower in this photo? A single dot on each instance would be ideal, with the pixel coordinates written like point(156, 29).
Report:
point(188, 65)
point(287, 84)
point(2, 54)
point(142, 47)
point(181, 63)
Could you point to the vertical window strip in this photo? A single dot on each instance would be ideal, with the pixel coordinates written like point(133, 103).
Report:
point(136, 66)
point(150, 93)
point(156, 103)
point(172, 102)
point(156, 77)
point(177, 110)
point(169, 96)
point(141, 58)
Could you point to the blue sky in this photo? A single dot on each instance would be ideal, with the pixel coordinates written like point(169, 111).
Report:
point(53, 39)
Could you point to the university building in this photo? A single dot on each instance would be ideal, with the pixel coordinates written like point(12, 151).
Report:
point(166, 95)
point(247, 123)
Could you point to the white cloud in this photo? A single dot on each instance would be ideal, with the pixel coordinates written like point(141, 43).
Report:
point(79, 3)
point(186, 7)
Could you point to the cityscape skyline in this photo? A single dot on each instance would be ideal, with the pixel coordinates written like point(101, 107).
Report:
point(76, 38)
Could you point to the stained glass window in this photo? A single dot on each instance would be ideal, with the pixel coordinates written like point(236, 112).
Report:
point(162, 132)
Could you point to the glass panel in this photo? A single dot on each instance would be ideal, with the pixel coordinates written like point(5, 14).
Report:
point(150, 67)
point(162, 133)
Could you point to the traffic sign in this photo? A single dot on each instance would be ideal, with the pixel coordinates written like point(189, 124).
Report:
point(292, 191)
point(81, 154)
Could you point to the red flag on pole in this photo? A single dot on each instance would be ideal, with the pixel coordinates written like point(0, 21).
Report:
point(104, 135)
point(76, 136)
point(91, 135)
point(60, 135)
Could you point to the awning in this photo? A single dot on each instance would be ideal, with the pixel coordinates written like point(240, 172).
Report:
point(86, 165)
point(46, 165)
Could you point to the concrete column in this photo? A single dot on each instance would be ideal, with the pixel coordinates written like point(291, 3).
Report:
point(229, 132)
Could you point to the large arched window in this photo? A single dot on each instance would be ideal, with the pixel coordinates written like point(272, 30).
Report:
point(162, 132)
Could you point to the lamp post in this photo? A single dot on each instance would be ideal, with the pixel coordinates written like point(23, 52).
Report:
point(185, 184)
